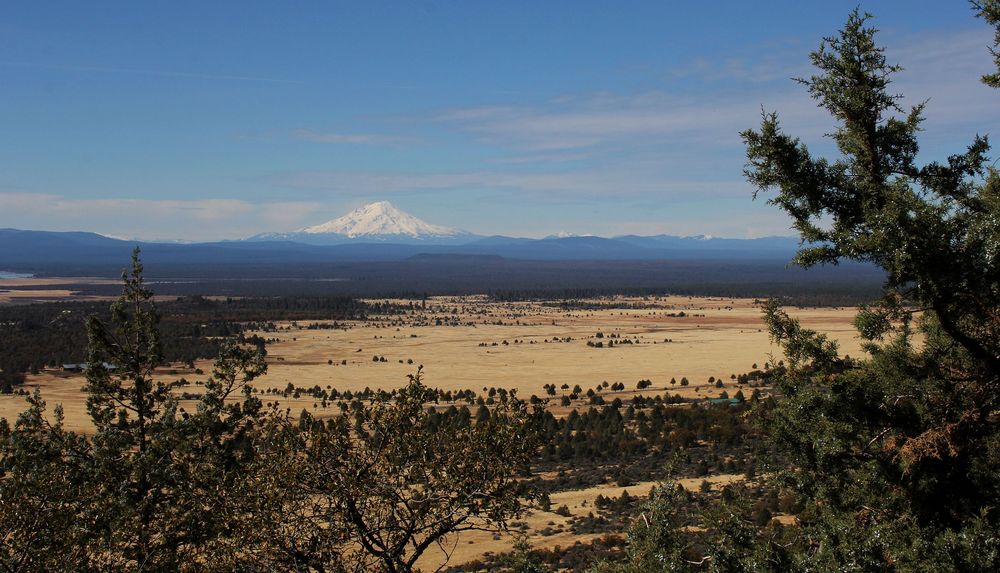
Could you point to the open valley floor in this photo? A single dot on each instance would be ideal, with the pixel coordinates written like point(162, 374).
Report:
point(591, 351)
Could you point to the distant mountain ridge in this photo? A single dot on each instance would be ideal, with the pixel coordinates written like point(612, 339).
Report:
point(708, 242)
point(55, 252)
point(372, 233)
point(382, 222)
point(487, 265)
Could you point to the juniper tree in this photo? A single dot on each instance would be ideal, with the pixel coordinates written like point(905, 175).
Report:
point(154, 488)
point(133, 415)
point(44, 494)
point(656, 539)
point(895, 455)
point(892, 459)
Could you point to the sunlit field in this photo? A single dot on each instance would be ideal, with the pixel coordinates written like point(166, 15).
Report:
point(469, 343)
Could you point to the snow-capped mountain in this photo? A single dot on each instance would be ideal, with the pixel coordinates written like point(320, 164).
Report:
point(381, 218)
point(381, 226)
point(375, 222)
point(566, 235)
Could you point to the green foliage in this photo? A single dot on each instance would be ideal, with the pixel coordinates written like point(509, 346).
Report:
point(802, 347)
point(522, 560)
point(43, 493)
point(656, 540)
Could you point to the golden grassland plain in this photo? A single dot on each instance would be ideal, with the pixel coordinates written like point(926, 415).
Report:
point(53, 289)
point(471, 343)
point(520, 346)
point(29, 290)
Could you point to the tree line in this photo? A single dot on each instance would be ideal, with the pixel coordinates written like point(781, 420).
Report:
point(43, 335)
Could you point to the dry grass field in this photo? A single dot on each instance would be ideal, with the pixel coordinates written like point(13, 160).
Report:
point(468, 343)
point(547, 529)
point(525, 346)
point(28, 290)
point(520, 346)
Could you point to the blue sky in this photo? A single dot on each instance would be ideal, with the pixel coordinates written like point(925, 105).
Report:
point(218, 120)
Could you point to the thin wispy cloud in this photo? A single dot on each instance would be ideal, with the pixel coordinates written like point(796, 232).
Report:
point(631, 181)
point(350, 138)
point(156, 219)
point(943, 67)
point(641, 120)
point(148, 72)
point(764, 69)
point(944, 70)
point(542, 158)
point(768, 223)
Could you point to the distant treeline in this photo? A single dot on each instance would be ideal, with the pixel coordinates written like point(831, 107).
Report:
point(50, 334)
point(576, 304)
point(509, 279)
point(790, 295)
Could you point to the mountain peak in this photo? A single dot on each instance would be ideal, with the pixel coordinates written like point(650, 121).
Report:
point(567, 235)
point(380, 218)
